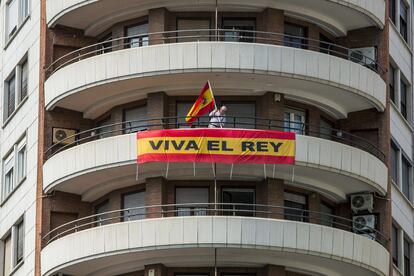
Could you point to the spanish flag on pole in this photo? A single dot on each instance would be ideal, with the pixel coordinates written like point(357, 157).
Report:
point(203, 105)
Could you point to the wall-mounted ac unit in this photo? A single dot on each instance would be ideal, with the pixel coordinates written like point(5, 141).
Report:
point(365, 56)
point(364, 223)
point(61, 135)
point(362, 202)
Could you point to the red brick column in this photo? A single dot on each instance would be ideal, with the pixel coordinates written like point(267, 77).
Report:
point(156, 108)
point(155, 194)
point(157, 19)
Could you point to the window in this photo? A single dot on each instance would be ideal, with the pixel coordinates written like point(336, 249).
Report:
point(14, 168)
point(193, 24)
point(404, 20)
point(394, 162)
point(100, 209)
point(189, 196)
point(13, 245)
point(325, 129)
point(240, 115)
point(295, 206)
point(133, 119)
point(407, 257)
point(233, 198)
point(326, 215)
point(325, 44)
point(12, 18)
point(16, 12)
point(137, 35)
point(295, 36)
point(106, 44)
point(239, 30)
point(392, 83)
point(16, 88)
point(24, 80)
point(103, 130)
point(182, 110)
point(405, 179)
point(394, 237)
point(11, 95)
point(403, 99)
point(392, 10)
point(134, 200)
point(294, 120)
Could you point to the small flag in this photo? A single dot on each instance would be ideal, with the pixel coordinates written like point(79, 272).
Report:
point(203, 105)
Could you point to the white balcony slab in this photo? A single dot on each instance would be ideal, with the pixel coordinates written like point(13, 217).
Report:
point(96, 168)
point(248, 68)
point(96, 16)
point(113, 249)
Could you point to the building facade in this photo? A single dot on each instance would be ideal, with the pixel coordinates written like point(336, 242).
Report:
point(80, 78)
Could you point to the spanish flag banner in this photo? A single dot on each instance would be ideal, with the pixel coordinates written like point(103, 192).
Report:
point(226, 146)
point(203, 105)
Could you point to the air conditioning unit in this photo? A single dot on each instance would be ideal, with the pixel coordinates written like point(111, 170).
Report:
point(60, 136)
point(364, 223)
point(365, 56)
point(362, 202)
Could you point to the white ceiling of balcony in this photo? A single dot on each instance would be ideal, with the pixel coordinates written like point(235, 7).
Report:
point(96, 16)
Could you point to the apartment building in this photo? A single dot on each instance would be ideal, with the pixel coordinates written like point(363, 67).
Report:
point(84, 81)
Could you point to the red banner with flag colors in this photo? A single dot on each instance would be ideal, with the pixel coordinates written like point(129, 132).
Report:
point(228, 146)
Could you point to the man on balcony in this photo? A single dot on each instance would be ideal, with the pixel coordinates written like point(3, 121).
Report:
point(217, 117)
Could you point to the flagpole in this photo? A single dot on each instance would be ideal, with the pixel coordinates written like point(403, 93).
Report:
point(216, 21)
point(212, 93)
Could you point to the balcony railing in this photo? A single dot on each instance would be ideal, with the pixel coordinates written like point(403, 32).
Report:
point(231, 122)
point(215, 209)
point(217, 35)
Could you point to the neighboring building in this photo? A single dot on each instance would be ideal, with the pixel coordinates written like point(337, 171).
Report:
point(81, 77)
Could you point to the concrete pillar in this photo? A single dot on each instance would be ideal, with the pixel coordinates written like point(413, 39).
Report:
point(157, 21)
point(155, 194)
point(274, 270)
point(156, 109)
point(270, 106)
point(155, 270)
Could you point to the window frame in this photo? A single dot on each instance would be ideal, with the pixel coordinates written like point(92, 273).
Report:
point(406, 161)
point(404, 22)
point(407, 259)
point(23, 13)
point(16, 256)
point(143, 39)
point(12, 156)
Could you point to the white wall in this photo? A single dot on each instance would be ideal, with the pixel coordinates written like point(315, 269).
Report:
point(22, 201)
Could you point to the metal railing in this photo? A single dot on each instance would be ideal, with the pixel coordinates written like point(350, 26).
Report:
point(218, 35)
point(231, 122)
point(214, 209)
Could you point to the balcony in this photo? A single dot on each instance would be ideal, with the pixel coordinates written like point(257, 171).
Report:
point(337, 16)
point(95, 162)
point(242, 235)
point(95, 78)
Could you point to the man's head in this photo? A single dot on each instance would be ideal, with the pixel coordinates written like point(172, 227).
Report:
point(223, 109)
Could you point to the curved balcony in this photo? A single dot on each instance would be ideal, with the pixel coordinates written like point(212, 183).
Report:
point(337, 16)
point(95, 78)
point(336, 166)
point(122, 241)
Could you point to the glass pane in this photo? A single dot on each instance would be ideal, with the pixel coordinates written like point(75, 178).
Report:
point(102, 208)
point(7, 255)
point(295, 207)
point(195, 25)
point(21, 163)
point(12, 17)
point(24, 8)
point(295, 120)
point(191, 195)
point(103, 130)
point(394, 162)
point(241, 30)
point(182, 111)
point(326, 215)
point(24, 81)
point(241, 196)
point(241, 115)
point(325, 130)
point(134, 200)
point(394, 245)
point(138, 35)
point(20, 242)
point(11, 96)
point(295, 36)
point(134, 117)
point(405, 177)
